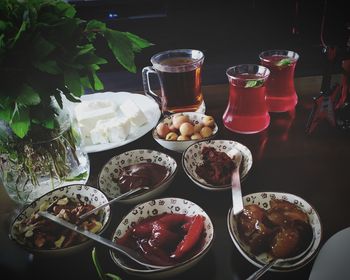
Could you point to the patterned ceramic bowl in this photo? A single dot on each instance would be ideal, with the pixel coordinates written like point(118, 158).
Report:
point(192, 157)
point(180, 146)
point(76, 192)
point(263, 200)
point(112, 170)
point(156, 207)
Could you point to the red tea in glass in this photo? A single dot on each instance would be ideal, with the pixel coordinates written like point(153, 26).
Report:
point(246, 111)
point(280, 92)
point(179, 73)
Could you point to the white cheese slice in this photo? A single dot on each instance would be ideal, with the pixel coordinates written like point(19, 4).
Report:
point(98, 135)
point(130, 109)
point(116, 129)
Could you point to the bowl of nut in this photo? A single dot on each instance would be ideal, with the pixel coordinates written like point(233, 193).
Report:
point(178, 131)
point(40, 236)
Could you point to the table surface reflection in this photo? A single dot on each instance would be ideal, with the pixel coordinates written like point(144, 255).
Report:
point(285, 159)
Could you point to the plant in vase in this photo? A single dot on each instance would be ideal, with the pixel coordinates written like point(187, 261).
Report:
point(47, 55)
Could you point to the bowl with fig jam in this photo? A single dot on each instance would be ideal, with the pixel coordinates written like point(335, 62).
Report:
point(209, 163)
point(178, 131)
point(134, 169)
point(41, 236)
point(168, 231)
point(275, 225)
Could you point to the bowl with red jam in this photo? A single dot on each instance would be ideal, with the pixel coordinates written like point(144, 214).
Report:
point(209, 163)
point(178, 131)
point(276, 225)
point(134, 169)
point(167, 231)
point(41, 236)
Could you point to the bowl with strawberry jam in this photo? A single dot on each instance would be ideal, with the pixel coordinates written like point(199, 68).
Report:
point(172, 232)
point(134, 169)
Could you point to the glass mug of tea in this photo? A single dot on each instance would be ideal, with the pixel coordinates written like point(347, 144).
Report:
point(280, 92)
point(246, 111)
point(179, 73)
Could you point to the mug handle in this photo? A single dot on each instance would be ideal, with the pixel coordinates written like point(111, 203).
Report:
point(146, 84)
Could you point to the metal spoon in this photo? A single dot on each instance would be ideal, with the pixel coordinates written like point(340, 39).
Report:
point(130, 253)
point(130, 192)
point(257, 274)
point(236, 181)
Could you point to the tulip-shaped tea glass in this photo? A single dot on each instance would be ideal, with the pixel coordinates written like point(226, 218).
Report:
point(280, 92)
point(246, 111)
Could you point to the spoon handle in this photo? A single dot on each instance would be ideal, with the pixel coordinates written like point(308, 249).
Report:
point(132, 254)
point(257, 274)
point(112, 201)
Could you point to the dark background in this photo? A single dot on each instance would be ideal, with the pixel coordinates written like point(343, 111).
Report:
point(228, 32)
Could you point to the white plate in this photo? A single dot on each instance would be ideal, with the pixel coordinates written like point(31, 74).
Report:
point(148, 106)
point(332, 261)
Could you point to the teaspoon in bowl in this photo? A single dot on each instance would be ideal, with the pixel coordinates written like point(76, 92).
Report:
point(130, 253)
point(120, 197)
point(236, 181)
point(257, 274)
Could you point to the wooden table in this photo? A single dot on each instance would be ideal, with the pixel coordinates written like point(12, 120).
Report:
point(314, 167)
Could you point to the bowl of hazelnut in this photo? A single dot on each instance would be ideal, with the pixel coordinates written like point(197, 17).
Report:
point(178, 131)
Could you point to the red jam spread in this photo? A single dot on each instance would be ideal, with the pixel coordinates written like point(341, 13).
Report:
point(166, 239)
point(217, 167)
point(141, 174)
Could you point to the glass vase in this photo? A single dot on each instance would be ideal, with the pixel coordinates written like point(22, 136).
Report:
point(43, 160)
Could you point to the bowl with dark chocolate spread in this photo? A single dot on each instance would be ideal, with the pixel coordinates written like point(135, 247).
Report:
point(134, 169)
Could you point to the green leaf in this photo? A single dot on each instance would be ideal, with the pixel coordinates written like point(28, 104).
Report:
point(113, 276)
point(5, 114)
point(97, 82)
point(254, 83)
point(96, 26)
point(58, 98)
point(121, 47)
point(96, 263)
point(79, 177)
point(49, 123)
point(28, 96)
point(48, 66)
point(284, 62)
point(85, 49)
point(42, 47)
point(66, 9)
point(137, 42)
point(72, 81)
point(20, 122)
point(19, 32)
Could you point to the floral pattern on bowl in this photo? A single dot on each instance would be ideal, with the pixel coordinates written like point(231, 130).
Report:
point(180, 146)
point(156, 207)
point(113, 168)
point(79, 192)
point(192, 157)
point(262, 199)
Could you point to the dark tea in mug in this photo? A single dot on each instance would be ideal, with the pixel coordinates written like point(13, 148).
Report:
point(179, 73)
point(181, 89)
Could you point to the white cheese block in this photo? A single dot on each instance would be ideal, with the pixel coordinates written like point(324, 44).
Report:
point(133, 112)
point(116, 129)
point(89, 112)
point(98, 135)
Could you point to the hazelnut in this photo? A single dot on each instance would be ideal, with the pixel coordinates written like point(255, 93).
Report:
point(186, 129)
point(206, 131)
point(162, 130)
point(171, 136)
point(208, 121)
point(197, 127)
point(196, 136)
point(183, 138)
point(178, 120)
